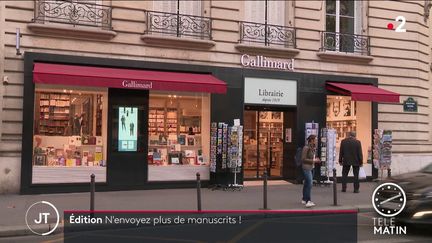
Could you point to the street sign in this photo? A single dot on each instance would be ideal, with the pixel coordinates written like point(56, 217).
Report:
point(410, 105)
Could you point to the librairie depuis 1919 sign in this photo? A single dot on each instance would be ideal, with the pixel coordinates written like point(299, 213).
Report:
point(265, 62)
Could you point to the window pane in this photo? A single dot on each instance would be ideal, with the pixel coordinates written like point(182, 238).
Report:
point(330, 23)
point(189, 7)
point(276, 12)
point(69, 142)
point(346, 25)
point(347, 41)
point(178, 136)
point(254, 11)
point(347, 8)
point(331, 6)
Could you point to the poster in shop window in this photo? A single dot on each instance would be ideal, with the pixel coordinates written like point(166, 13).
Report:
point(128, 129)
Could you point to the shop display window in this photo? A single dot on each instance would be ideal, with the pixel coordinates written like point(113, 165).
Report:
point(69, 134)
point(178, 136)
point(345, 115)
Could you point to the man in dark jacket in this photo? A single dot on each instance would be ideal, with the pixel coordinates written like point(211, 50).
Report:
point(351, 155)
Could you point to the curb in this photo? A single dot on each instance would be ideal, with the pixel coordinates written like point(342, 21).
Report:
point(22, 230)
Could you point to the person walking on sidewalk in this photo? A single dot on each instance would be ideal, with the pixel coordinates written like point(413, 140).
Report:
point(308, 159)
point(351, 155)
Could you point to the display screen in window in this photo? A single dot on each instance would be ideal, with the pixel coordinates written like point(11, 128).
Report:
point(128, 128)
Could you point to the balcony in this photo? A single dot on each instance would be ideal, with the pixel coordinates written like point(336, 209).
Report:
point(267, 34)
point(178, 29)
point(348, 43)
point(342, 47)
point(74, 13)
point(88, 19)
point(179, 25)
point(267, 39)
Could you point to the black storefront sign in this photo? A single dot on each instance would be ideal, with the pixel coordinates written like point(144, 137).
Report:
point(410, 105)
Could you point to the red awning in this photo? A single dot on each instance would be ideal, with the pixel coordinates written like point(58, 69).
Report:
point(363, 92)
point(45, 73)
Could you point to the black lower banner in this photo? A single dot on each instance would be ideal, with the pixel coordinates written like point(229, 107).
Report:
point(210, 226)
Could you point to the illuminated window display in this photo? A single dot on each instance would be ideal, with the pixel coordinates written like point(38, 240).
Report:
point(345, 115)
point(179, 136)
point(69, 135)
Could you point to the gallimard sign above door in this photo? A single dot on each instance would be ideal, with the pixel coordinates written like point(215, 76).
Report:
point(265, 62)
point(262, 91)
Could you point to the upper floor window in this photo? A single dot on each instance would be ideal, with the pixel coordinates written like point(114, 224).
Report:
point(184, 7)
point(178, 18)
point(255, 11)
point(344, 27)
point(266, 23)
point(344, 16)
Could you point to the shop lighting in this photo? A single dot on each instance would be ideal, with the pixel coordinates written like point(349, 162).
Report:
point(421, 214)
point(64, 91)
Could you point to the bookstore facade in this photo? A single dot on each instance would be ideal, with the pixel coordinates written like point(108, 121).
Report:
point(138, 125)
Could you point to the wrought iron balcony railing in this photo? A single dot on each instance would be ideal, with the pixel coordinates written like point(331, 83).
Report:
point(267, 34)
point(338, 42)
point(74, 13)
point(179, 25)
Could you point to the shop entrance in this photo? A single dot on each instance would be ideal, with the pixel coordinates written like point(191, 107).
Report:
point(268, 136)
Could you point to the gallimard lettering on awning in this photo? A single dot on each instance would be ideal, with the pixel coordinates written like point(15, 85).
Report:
point(137, 84)
point(264, 62)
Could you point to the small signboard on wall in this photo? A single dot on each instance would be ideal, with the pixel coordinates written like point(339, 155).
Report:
point(410, 105)
point(264, 91)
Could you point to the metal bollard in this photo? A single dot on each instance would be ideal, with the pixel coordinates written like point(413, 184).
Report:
point(334, 188)
point(265, 191)
point(388, 172)
point(92, 194)
point(198, 176)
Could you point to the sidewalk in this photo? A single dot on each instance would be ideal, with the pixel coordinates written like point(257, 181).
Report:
point(281, 196)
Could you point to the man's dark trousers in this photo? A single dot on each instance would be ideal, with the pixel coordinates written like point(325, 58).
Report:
point(345, 171)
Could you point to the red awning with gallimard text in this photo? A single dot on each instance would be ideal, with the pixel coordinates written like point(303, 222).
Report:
point(363, 92)
point(45, 73)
